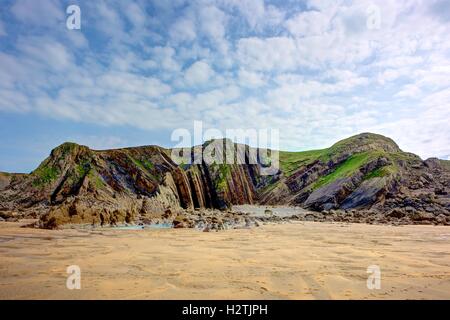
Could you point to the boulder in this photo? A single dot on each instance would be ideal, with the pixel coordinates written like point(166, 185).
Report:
point(396, 213)
point(183, 221)
point(369, 192)
point(331, 195)
point(422, 216)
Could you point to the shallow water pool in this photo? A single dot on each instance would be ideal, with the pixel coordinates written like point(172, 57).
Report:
point(147, 226)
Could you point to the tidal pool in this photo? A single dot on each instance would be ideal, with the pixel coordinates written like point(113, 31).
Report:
point(146, 226)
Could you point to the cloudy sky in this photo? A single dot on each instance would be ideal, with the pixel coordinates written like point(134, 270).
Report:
point(316, 70)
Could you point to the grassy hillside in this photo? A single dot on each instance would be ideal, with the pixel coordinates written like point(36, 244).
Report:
point(292, 161)
point(357, 151)
point(445, 164)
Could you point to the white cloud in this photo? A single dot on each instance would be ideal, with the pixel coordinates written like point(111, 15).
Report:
point(135, 14)
point(409, 91)
point(183, 30)
point(212, 22)
point(40, 13)
point(390, 75)
point(46, 51)
point(97, 142)
point(308, 23)
point(132, 84)
point(271, 54)
point(319, 75)
point(12, 100)
point(253, 11)
point(198, 73)
point(323, 5)
point(251, 79)
point(108, 20)
point(165, 58)
point(256, 13)
point(217, 97)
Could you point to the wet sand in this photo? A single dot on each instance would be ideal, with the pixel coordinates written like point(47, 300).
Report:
point(299, 260)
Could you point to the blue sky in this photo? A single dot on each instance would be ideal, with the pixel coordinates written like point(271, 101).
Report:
point(318, 71)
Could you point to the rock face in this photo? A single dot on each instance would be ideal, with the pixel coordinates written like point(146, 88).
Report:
point(77, 185)
point(367, 173)
point(364, 172)
point(5, 180)
point(368, 192)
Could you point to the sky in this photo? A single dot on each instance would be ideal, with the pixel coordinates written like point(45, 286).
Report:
point(318, 71)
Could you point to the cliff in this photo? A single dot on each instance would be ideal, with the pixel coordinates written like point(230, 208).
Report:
point(366, 172)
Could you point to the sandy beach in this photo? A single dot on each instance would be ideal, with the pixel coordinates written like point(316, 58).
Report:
point(299, 260)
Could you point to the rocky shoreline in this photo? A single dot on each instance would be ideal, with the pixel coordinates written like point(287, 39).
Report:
point(363, 179)
point(254, 216)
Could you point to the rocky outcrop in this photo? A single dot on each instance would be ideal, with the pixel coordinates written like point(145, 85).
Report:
point(78, 185)
point(366, 173)
point(367, 193)
point(5, 180)
point(330, 196)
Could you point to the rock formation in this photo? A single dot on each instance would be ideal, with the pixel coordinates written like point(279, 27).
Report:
point(367, 173)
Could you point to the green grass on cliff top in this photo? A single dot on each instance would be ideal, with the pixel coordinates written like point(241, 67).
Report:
point(290, 162)
point(44, 175)
point(346, 169)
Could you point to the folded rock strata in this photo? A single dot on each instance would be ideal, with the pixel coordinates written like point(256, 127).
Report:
point(366, 172)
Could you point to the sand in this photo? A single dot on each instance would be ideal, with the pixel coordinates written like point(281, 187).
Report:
point(299, 260)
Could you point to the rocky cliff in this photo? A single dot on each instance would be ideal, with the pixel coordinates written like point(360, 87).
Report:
point(366, 172)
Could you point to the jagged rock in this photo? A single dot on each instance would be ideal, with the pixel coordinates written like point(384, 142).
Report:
point(330, 196)
point(206, 229)
point(396, 213)
point(441, 219)
point(183, 221)
point(369, 192)
point(167, 213)
point(422, 216)
point(78, 185)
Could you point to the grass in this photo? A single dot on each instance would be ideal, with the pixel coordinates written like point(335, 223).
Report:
point(184, 166)
point(357, 161)
point(44, 175)
point(292, 161)
point(146, 166)
point(349, 167)
point(143, 164)
point(445, 164)
point(67, 147)
point(223, 171)
point(360, 139)
point(271, 185)
point(381, 172)
point(64, 149)
point(96, 179)
point(83, 169)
